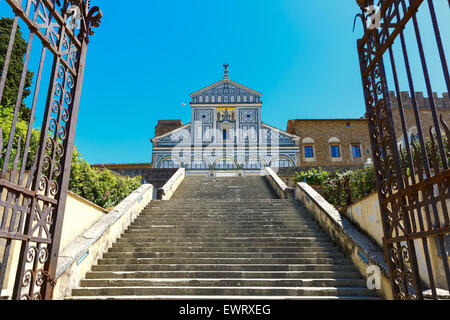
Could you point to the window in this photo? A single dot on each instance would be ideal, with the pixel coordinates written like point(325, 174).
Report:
point(309, 152)
point(335, 152)
point(356, 151)
point(225, 134)
point(347, 124)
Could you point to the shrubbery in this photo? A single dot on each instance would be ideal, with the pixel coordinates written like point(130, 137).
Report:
point(341, 188)
point(312, 176)
point(102, 187)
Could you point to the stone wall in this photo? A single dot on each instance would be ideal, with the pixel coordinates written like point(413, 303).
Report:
point(322, 133)
point(442, 105)
point(82, 253)
point(317, 133)
point(363, 252)
point(80, 215)
point(365, 215)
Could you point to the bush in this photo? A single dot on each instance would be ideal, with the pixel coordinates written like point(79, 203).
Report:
point(363, 182)
point(101, 187)
point(312, 176)
point(341, 188)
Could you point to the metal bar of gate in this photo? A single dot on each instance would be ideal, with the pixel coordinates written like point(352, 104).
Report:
point(414, 198)
point(33, 210)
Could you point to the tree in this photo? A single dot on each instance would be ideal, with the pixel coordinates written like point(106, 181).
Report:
point(15, 68)
point(6, 115)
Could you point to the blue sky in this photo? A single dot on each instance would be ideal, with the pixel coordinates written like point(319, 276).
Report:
point(148, 56)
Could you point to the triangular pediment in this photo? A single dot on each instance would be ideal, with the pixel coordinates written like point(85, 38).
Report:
point(270, 133)
point(226, 91)
point(181, 135)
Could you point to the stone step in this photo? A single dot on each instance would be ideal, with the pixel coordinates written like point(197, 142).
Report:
point(226, 216)
point(220, 282)
point(127, 247)
point(186, 255)
point(166, 229)
point(223, 274)
point(223, 238)
point(213, 223)
point(225, 205)
point(220, 244)
point(237, 291)
point(235, 222)
point(193, 234)
point(117, 261)
point(223, 267)
point(214, 214)
point(219, 235)
point(212, 241)
point(241, 205)
point(218, 201)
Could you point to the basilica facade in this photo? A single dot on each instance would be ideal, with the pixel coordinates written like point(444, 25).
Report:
point(226, 135)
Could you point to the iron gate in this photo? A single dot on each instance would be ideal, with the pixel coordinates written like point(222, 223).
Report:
point(34, 181)
point(412, 170)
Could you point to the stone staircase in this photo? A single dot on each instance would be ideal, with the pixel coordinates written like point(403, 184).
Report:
point(223, 238)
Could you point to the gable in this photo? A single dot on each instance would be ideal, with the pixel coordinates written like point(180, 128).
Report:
point(273, 135)
point(180, 136)
point(226, 91)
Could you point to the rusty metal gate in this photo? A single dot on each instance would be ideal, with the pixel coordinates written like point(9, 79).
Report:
point(34, 180)
point(412, 167)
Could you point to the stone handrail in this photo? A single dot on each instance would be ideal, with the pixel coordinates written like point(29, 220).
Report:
point(283, 191)
point(167, 191)
point(81, 254)
point(359, 248)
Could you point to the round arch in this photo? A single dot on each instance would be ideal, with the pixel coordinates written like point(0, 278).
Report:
point(245, 162)
point(283, 160)
point(197, 162)
point(170, 162)
point(230, 164)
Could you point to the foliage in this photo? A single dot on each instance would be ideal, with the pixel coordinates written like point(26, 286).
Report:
point(15, 67)
point(101, 187)
point(432, 150)
point(6, 117)
point(312, 176)
point(341, 188)
point(363, 182)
